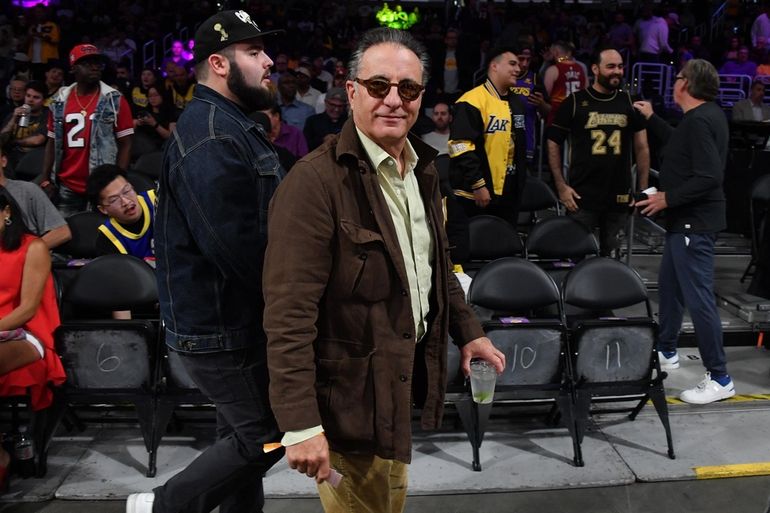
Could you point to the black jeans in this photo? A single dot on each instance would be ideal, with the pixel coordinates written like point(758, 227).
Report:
point(229, 473)
point(608, 222)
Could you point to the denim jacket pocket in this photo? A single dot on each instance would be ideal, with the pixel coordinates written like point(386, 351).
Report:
point(345, 389)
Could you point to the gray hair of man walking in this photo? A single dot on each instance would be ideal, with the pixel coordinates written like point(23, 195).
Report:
point(702, 79)
point(383, 35)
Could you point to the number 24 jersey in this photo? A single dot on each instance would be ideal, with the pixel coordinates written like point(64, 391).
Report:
point(601, 129)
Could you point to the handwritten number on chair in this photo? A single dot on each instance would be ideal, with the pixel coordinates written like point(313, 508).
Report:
point(108, 364)
point(613, 346)
point(526, 358)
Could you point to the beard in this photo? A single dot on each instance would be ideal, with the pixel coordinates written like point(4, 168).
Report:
point(606, 82)
point(253, 98)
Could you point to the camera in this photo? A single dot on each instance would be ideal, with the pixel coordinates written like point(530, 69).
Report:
point(142, 114)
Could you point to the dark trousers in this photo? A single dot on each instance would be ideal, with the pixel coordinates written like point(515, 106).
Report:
point(686, 279)
point(608, 222)
point(229, 473)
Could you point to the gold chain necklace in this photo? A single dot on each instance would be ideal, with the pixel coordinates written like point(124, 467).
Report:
point(84, 110)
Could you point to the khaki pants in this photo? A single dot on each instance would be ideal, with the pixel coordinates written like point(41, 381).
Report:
point(370, 485)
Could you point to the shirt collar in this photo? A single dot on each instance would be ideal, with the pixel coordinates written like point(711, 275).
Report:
point(377, 155)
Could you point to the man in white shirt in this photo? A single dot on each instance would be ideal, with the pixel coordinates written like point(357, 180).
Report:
point(652, 35)
point(305, 92)
point(439, 138)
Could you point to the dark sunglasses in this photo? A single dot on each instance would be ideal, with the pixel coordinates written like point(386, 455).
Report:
point(408, 90)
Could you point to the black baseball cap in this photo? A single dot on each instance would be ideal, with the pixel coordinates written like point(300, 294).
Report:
point(222, 30)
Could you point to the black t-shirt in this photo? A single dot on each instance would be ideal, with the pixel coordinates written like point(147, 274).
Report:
point(601, 128)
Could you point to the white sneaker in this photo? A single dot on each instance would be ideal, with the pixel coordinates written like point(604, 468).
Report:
point(668, 363)
point(140, 502)
point(708, 391)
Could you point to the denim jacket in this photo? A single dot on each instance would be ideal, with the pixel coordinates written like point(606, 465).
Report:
point(104, 147)
point(219, 173)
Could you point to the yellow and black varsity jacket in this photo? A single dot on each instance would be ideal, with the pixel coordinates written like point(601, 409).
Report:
point(483, 140)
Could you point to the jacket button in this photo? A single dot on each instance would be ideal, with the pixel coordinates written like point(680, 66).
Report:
point(403, 378)
point(362, 256)
point(407, 335)
point(404, 292)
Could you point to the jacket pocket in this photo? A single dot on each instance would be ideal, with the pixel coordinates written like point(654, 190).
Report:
point(345, 389)
point(364, 266)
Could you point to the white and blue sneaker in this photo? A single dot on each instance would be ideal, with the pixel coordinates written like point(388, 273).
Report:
point(140, 502)
point(669, 363)
point(708, 391)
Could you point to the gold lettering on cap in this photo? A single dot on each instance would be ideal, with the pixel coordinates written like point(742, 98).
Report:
point(219, 28)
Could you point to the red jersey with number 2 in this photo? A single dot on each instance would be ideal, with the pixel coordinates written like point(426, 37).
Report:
point(571, 78)
point(77, 137)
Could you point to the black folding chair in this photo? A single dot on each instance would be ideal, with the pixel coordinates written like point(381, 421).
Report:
point(759, 214)
point(491, 238)
point(533, 345)
point(612, 355)
point(111, 361)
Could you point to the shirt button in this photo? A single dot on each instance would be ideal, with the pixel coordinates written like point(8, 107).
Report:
point(403, 378)
point(404, 292)
point(407, 335)
point(362, 256)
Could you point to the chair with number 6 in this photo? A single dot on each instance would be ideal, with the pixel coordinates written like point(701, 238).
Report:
point(111, 361)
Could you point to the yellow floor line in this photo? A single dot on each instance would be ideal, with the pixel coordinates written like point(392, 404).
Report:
point(738, 470)
point(735, 399)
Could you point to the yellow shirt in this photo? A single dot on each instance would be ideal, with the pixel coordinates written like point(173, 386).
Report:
point(402, 194)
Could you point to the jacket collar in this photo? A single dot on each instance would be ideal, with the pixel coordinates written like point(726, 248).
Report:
point(349, 144)
point(64, 92)
point(208, 95)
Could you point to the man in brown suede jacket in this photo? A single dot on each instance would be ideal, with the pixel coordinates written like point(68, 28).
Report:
point(359, 293)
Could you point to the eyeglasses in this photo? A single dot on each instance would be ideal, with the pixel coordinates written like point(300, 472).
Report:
point(408, 90)
point(127, 192)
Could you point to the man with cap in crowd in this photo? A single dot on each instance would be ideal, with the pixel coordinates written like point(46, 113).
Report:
point(90, 124)
point(210, 234)
point(305, 92)
point(320, 127)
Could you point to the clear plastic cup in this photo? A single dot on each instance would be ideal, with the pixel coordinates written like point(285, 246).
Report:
point(483, 377)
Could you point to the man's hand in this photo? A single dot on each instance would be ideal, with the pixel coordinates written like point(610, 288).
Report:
point(567, 195)
point(481, 348)
point(48, 188)
point(644, 108)
point(536, 99)
point(653, 204)
point(482, 197)
point(310, 457)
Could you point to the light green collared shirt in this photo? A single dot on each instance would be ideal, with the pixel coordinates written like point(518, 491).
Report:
point(402, 194)
point(407, 210)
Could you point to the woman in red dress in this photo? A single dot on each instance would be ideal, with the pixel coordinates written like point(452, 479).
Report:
point(28, 315)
